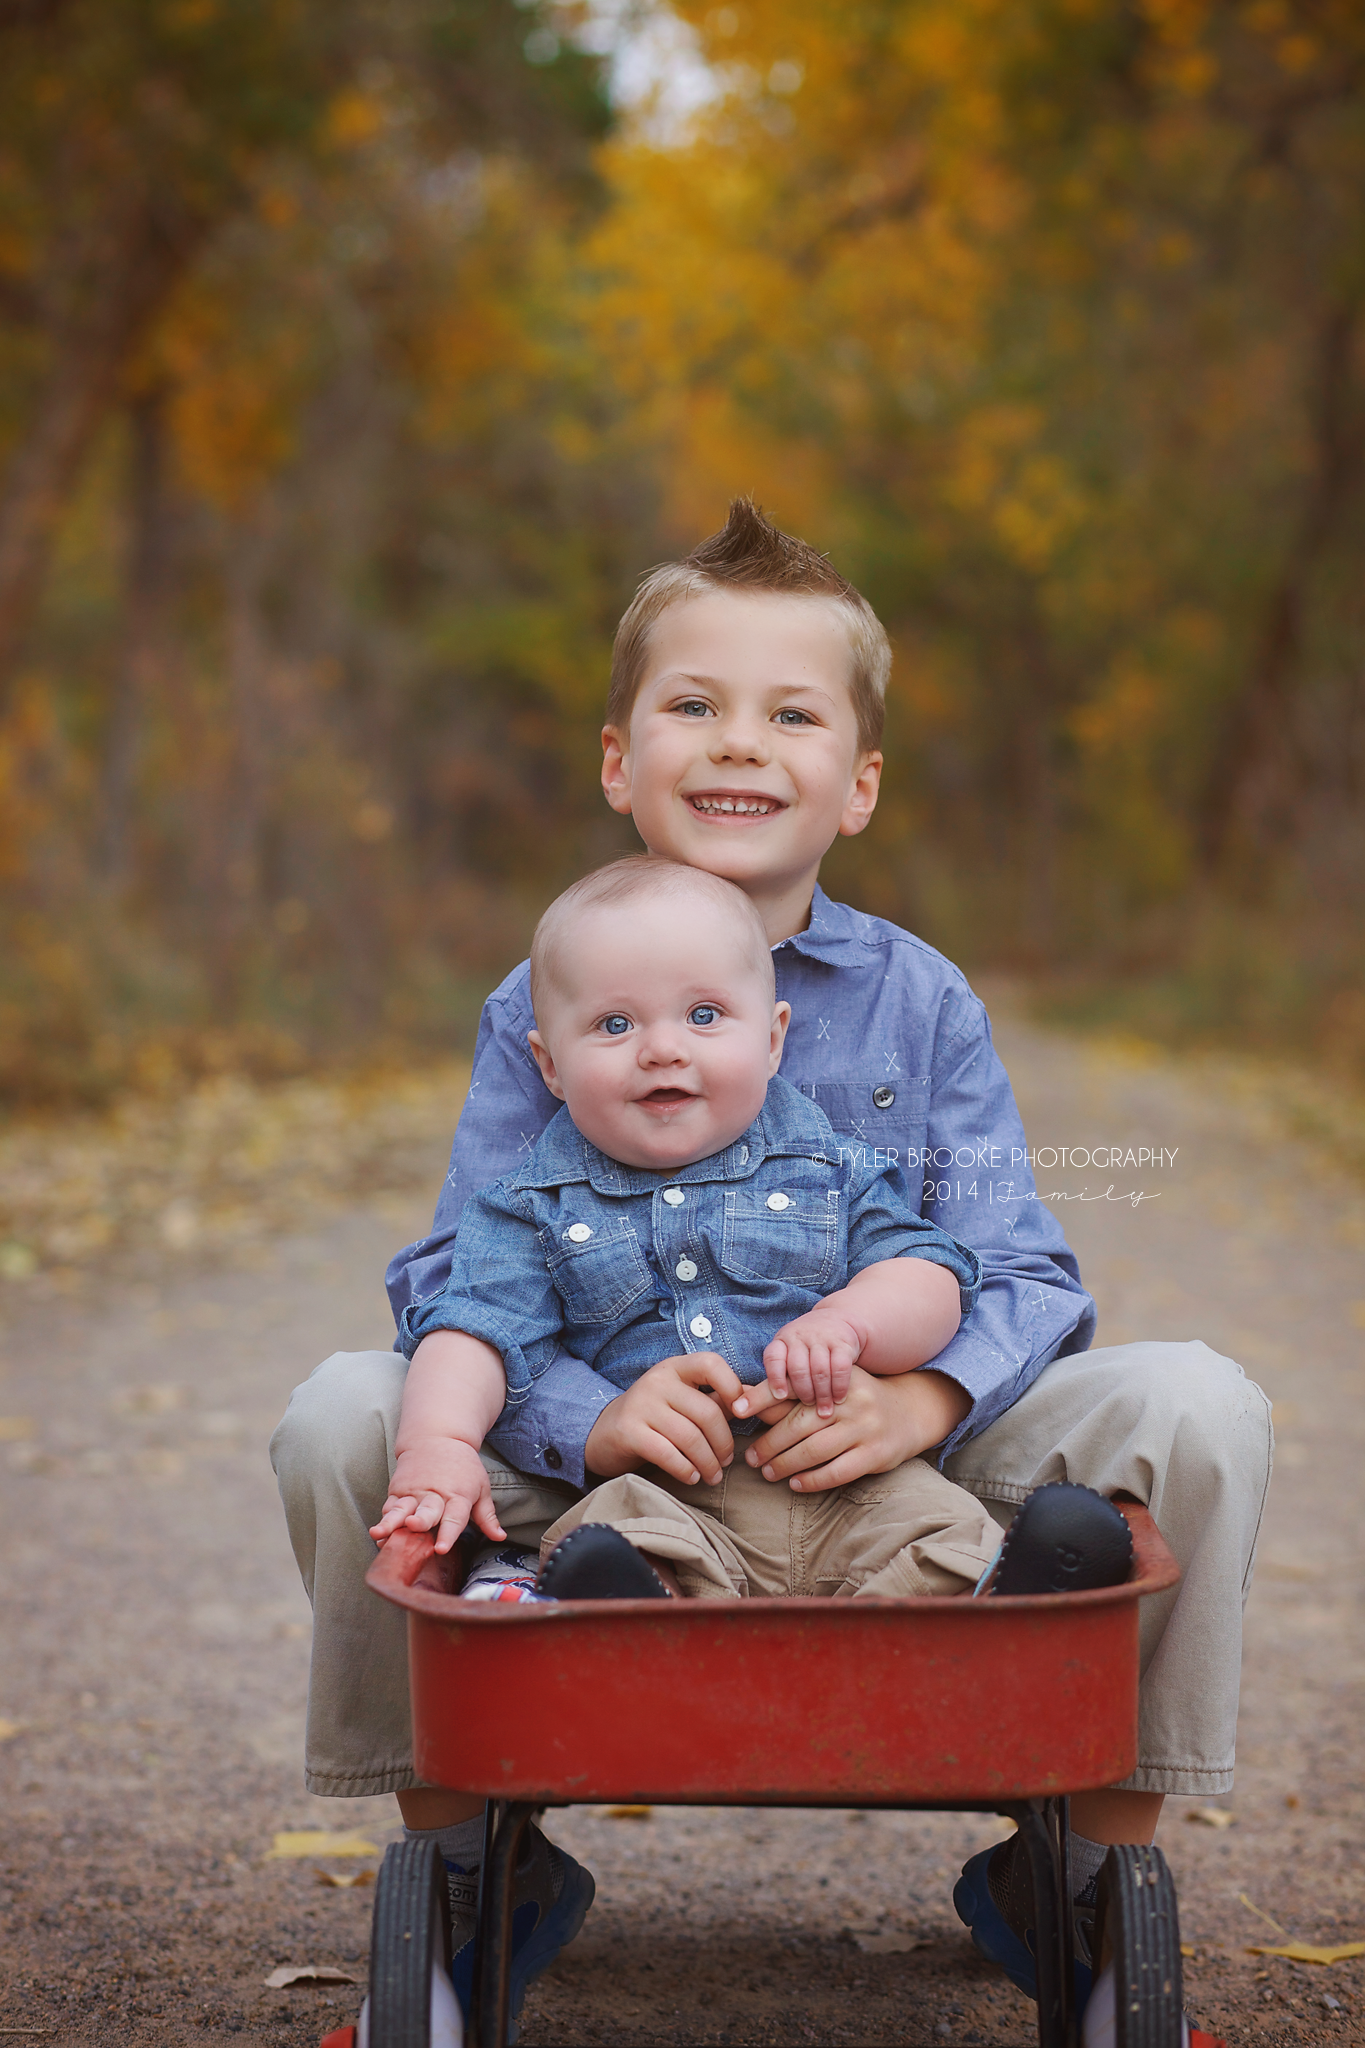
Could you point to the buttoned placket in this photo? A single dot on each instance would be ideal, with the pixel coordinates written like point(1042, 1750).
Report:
point(683, 1265)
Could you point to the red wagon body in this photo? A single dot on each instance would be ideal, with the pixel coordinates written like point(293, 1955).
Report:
point(998, 1704)
point(790, 1702)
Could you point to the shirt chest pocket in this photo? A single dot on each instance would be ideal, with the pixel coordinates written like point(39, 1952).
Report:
point(790, 1236)
point(598, 1270)
point(878, 1123)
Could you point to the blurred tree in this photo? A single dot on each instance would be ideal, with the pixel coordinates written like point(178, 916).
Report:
point(355, 361)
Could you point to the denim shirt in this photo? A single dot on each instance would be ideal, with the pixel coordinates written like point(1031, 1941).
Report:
point(891, 1042)
point(626, 1266)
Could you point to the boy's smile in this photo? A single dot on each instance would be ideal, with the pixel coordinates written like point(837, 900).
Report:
point(742, 754)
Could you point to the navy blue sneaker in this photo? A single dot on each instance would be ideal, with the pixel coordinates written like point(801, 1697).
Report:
point(550, 1900)
point(992, 1902)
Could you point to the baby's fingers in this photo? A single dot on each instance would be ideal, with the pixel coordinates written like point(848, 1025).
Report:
point(394, 1513)
point(486, 1515)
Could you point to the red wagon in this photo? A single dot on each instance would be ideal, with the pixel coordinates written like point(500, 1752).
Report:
point(997, 1706)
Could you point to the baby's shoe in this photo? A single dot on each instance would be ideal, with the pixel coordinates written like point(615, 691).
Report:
point(1064, 1539)
point(595, 1562)
point(505, 1574)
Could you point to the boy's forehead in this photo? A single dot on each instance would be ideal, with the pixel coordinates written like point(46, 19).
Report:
point(754, 636)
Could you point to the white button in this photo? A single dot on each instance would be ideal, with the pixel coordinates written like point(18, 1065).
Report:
point(744, 1155)
point(674, 1197)
point(578, 1233)
point(700, 1326)
point(685, 1270)
point(779, 1201)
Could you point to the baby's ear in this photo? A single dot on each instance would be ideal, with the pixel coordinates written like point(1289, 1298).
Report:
point(782, 1016)
point(544, 1059)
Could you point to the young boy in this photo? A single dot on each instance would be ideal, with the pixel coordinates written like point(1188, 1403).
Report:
point(686, 1196)
point(742, 736)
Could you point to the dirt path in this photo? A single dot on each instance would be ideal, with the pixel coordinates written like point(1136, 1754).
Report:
point(154, 1649)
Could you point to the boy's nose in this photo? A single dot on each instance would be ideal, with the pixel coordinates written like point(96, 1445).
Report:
point(741, 738)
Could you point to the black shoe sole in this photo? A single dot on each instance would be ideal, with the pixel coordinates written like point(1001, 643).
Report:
point(595, 1562)
point(1064, 1539)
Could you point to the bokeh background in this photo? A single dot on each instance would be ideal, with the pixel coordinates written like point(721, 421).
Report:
point(356, 356)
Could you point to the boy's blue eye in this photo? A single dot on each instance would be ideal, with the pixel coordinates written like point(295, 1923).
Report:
point(615, 1026)
point(704, 1013)
point(693, 707)
point(790, 716)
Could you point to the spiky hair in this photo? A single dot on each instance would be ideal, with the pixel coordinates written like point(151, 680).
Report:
point(751, 554)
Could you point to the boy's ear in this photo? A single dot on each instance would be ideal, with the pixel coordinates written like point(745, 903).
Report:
point(782, 1016)
point(545, 1061)
point(615, 770)
point(862, 796)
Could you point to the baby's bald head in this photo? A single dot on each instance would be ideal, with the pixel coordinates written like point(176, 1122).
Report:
point(633, 888)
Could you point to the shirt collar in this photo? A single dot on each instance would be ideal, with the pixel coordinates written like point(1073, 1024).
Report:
point(834, 936)
point(786, 1125)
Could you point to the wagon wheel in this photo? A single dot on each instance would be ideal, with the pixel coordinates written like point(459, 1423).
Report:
point(1138, 1934)
point(412, 2001)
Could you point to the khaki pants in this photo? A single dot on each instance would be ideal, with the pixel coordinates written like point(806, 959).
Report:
point(897, 1535)
point(1173, 1424)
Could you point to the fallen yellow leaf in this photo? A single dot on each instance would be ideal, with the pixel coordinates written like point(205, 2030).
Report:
point(9, 1729)
point(1309, 1952)
point(630, 1813)
point(1212, 1817)
point(1187, 1948)
point(344, 1882)
point(317, 1842)
point(307, 1973)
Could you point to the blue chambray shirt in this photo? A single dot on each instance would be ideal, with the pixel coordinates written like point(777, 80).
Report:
point(626, 1266)
point(891, 1042)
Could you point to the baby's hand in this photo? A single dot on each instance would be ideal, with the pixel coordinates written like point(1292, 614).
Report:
point(440, 1484)
point(813, 1357)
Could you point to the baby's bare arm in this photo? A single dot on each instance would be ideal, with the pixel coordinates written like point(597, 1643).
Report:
point(453, 1395)
point(889, 1319)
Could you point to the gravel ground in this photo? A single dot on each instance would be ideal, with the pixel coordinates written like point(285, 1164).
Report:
point(155, 1642)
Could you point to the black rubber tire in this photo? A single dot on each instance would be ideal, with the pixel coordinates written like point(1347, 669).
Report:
point(1139, 1932)
point(409, 1938)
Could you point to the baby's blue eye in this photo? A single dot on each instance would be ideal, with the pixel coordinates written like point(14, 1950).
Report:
point(704, 1013)
point(615, 1026)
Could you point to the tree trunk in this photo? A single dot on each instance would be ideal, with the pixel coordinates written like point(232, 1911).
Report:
point(1254, 800)
point(142, 259)
point(142, 652)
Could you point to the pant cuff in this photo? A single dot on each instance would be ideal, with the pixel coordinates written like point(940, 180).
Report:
point(333, 1785)
point(1178, 1782)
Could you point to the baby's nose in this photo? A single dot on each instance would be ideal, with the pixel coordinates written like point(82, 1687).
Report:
point(661, 1048)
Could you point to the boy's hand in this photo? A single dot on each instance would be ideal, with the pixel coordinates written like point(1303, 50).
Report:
point(666, 1420)
point(880, 1423)
point(439, 1484)
point(812, 1358)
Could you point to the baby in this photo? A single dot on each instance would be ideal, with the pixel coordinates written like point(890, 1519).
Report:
point(689, 1227)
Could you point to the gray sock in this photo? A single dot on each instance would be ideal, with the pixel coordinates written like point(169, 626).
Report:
point(460, 1844)
point(1087, 1859)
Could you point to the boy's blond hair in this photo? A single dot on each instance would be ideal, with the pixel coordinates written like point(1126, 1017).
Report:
point(750, 553)
point(624, 881)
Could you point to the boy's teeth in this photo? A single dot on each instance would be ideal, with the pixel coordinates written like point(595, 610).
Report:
point(711, 803)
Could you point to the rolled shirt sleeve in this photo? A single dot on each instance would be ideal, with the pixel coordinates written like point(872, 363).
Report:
point(505, 1111)
point(499, 1289)
point(1032, 1306)
point(883, 1224)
